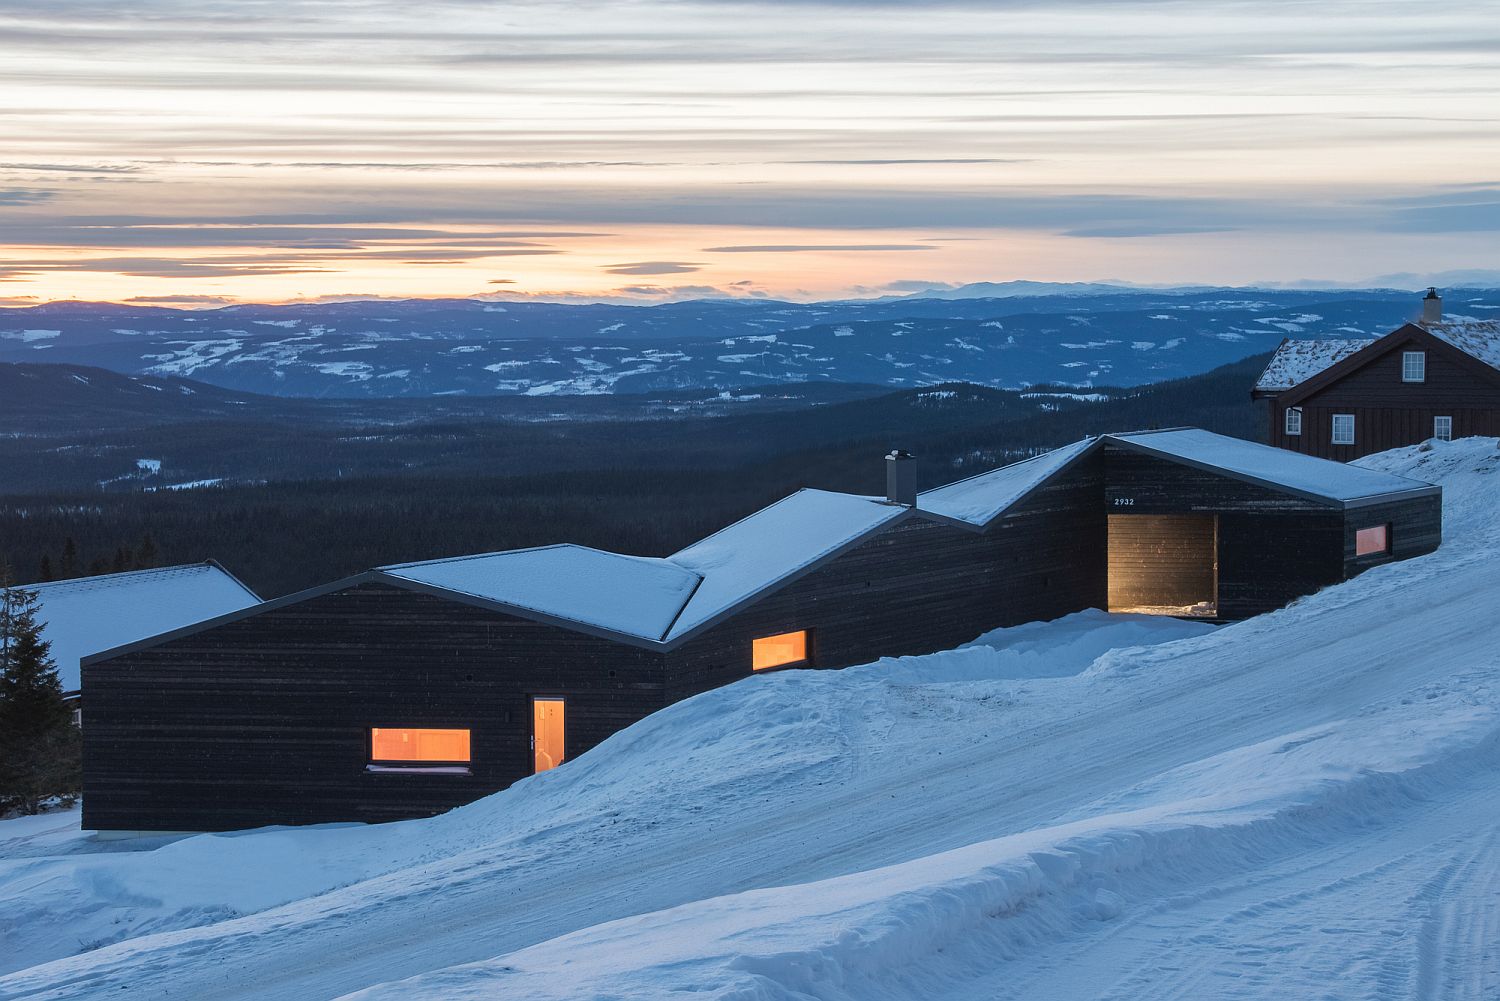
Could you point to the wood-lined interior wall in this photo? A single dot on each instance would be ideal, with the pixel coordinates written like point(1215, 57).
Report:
point(1161, 559)
point(1272, 546)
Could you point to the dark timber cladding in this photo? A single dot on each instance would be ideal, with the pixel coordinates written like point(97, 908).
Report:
point(924, 586)
point(266, 719)
point(265, 716)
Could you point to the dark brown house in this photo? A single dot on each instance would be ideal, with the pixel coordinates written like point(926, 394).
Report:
point(411, 689)
point(1341, 399)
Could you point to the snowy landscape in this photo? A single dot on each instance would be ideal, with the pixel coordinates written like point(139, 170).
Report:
point(1301, 804)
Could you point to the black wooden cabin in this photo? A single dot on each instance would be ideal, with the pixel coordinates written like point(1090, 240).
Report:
point(411, 689)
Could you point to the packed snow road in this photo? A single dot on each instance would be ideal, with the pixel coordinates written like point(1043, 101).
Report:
point(1264, 809)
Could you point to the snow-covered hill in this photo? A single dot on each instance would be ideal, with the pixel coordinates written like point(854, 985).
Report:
point(1300, 805)
point(1003, 336)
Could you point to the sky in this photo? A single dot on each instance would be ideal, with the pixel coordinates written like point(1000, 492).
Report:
point(198, 152)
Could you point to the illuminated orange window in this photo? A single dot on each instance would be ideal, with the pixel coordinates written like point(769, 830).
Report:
point(408, 744)
point(774, 651)
point(1376, 539)
point(548, 733)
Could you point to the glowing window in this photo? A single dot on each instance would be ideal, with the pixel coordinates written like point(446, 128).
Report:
point(1442, 428)
point(548, 733)
point(408, 745)
point(1414, 366)
point(1293, 420)
point(1343, 429)
point(1375, 539)
point(779, 650)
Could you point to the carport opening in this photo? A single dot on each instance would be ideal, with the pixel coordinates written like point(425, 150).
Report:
point(1164, 564)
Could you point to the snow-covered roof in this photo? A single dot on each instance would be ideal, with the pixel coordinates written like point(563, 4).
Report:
point(663, 599)
point(634, 595)
point(980, 499)
point(1479, 338)
point(1297, 361)
point(1273, 467)
point(773, 544)
point(91, 614)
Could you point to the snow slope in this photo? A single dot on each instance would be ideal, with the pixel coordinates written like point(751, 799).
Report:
point(1302, 804)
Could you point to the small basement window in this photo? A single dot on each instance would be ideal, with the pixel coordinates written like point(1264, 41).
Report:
point(1414, 366)
point(1293, 420)
point(1372, 540)
point(419, 749)
point(779, 650)
point(1343, 429)
point(1442, 428)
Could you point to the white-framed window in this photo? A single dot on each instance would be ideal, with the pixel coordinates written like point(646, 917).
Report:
point(1293, 420)
point(1343, 429)
point(1414, 366)
point(1442, 428)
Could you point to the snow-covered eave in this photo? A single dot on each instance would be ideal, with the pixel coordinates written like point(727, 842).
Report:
point(1417, 488)
point(227, 617)
point(1260, 389)
point(376, 577)
point(792, 576)
point(1092, 445)
point(518, 610)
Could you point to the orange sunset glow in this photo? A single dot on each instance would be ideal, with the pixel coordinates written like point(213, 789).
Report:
point(653, 150)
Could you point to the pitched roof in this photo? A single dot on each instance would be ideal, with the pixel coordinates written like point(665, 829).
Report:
point(662, 600)
point(1297, 361)
point(633, 595)
point(772, 545)
point(980, 499)
point(1308, 476)
point(1476, 338)
point(90, 614)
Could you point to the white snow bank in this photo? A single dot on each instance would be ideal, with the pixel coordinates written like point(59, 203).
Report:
point(731, 745)
point(907, 929)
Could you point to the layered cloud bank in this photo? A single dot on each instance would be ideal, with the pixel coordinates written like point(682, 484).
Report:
point(794, 149)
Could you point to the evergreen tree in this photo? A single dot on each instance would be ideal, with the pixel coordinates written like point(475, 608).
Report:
point(70, 559)
point(39, 745)
point(46, 568)
point(145, 557)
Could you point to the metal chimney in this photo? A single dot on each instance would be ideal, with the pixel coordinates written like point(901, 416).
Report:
point(901, 478)
point(1432, 307)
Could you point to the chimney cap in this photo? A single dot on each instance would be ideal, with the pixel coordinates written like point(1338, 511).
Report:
point(1432, 292)
point(900, 453)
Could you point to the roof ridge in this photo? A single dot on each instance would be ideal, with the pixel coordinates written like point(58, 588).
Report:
point(1008, 465)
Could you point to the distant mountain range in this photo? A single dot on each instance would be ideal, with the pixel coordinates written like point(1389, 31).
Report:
point(1007, 335)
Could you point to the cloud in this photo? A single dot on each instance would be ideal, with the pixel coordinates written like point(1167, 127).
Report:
point(73, 168)
point(182, 300)
point(803, 248)
point(653, 268)
point(502, 281)
point(23, 196)
point(914, 285)
point(902, 162)
point(156, 267)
